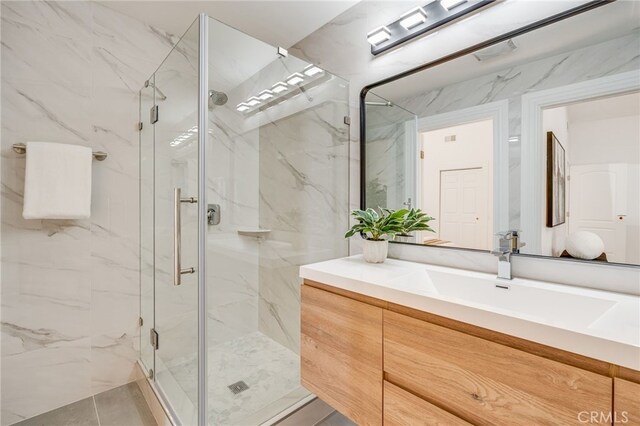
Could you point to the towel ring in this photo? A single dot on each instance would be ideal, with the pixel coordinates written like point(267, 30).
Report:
point(21, 148)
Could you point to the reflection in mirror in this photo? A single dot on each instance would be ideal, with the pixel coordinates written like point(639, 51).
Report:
point(539, 133)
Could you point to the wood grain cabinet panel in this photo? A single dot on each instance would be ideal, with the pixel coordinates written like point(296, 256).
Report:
point(341, 354)
point(626, 402)
point(486, 383)
point(402, 408)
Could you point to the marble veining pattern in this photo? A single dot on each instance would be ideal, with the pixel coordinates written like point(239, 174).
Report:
point(70, 74)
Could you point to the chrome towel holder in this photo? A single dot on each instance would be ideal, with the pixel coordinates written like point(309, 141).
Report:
point(21, 148)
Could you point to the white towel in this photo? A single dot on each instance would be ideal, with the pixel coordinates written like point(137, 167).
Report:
point(57, 182)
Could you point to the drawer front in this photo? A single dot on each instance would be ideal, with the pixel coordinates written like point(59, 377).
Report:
point(626, 402)
point(402, 408)
point(487, 383)
point(341, 354)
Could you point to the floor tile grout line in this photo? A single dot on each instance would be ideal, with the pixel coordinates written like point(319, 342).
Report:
point(95, 407)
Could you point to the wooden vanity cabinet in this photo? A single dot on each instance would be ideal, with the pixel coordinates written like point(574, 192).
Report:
point(626, 406)
point(379, 363)
point(402, 408)
point(487, 383)
point(341, 354)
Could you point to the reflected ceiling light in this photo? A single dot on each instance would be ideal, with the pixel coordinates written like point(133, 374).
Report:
point(243, 107)
point(295, 78)
point(413, 18)
point(253, 101)
point(312, 70)
point(378, 36)
point(265, 94)
point(279, 87)
point(450, 4)
point(421, 21)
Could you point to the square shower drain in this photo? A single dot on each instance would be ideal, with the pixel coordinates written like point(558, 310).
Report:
point(238, 387)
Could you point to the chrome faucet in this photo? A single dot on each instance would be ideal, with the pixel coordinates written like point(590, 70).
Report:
point(509, 243)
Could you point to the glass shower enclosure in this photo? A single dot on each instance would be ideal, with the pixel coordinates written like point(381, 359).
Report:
point(244, 162)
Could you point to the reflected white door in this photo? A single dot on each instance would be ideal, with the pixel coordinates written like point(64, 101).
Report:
point(463, 208)
point(598, 204)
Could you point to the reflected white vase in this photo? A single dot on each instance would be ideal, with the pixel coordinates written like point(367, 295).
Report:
point(375, 251)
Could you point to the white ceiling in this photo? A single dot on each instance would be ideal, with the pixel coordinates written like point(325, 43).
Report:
point(280, 23)
point(599, 109)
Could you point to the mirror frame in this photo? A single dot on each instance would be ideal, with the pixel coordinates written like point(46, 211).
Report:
point(501, 38)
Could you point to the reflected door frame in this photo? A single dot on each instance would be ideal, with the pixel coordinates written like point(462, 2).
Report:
point(498, 112)
point(533, 161)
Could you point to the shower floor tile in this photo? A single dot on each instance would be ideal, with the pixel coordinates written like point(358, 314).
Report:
point(270, 371)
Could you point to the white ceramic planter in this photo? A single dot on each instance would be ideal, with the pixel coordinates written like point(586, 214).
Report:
point(404, 238)
point(375, 251)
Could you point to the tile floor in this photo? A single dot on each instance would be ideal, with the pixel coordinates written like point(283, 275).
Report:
point(335, 419)
point(124, 405)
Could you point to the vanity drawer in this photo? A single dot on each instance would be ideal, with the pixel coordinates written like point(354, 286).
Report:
point(486, 383)
point(341, 354)
point(626, 402)
point(402, 408)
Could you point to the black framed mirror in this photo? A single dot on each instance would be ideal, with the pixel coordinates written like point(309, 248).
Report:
point(464, 138)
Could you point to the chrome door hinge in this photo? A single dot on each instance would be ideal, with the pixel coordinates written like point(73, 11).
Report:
point(347, 120)
point(154, 114)
point(422, 155)
point(140, 126)
point(154, 337)
point(151, 373)
point(140, 321)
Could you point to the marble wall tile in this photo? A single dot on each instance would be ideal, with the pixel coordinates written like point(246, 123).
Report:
point(304, 202)
point(70, 292)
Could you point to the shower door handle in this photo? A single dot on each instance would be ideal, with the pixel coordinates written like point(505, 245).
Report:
point(177, 236)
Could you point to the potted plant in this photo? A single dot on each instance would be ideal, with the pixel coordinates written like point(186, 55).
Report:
point(415, 220)
point(376, 229)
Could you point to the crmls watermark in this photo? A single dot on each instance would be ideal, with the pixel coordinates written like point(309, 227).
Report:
point(599, 417)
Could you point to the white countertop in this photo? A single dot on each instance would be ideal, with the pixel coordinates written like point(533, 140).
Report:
point(594, 323)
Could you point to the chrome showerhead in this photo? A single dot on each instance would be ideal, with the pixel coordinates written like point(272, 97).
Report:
point(217, 98)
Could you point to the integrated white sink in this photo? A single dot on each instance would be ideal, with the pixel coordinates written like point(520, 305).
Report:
point(599, 324)
point(541, 302)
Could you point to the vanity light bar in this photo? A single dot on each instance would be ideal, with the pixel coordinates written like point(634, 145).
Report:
point(268, 96)
point(413, 18)
point(450, 4)
point(419, 21)
point(253, 101)
point(265, 94)
point(295, 78)
point(243, 107)
point(279, 87)
point(379, 35)
point(312, 70)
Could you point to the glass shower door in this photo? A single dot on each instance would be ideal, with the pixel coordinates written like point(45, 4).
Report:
point(277, 174)
point(175, 120)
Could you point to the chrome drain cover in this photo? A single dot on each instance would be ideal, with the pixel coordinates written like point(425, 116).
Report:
point(238, 387)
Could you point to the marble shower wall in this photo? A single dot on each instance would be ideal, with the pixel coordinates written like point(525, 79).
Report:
point(387, 141)
point(304, 197)
point(70, 73)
